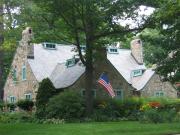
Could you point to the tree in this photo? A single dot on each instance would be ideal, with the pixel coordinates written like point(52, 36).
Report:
point(89, 22)
point(1, 52)
point(163, 42)
point(45, 91)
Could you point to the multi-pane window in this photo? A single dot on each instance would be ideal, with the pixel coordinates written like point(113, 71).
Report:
point(49, 45)
point(159, 94)
point(118, 94)
point(23, 72)
point(137, 72)
point(70, 62)
point(113, 50)
point(83, 93)
point(28, 96)
point(14, 74)
point(83, 48)
point(12, 99)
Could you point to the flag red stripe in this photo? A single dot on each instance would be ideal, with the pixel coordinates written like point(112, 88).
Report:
point(107, 86)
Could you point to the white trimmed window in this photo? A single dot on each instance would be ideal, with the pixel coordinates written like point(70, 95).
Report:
point(159, 94)
point(83, 92)
point(70, 62)
point(83, 48)
point(28, 96)
point(14, 74)
point(118, 93)
point(137, 72)
point(23, 72)
point(51, 46)
point(12, 99)
point(113, 50)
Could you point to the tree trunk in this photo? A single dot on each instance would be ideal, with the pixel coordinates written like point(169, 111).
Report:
point(89, 78)
point(1, 51)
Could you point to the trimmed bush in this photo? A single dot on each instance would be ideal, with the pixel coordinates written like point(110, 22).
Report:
point(45, 92)
point(26, 105)
point(67, 105)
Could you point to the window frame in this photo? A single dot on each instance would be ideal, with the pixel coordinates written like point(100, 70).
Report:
point(83, 93)
point(140, 72)
point(116, 96)
point(50, 46)
point(28, 94)
point(110, 50)
point(72, 62)
point(24, 73)
point(14, 99)
point(159, 94)
point(14, 74)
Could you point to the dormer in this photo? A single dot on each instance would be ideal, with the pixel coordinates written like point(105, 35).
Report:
point(113, 50)
point(50, 46)
point(70, 62)
point(136, 72)
point(83, 48)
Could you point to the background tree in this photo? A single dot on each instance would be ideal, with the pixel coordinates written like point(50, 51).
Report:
point(162, 44)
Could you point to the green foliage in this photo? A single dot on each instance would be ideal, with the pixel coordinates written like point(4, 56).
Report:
point(158, 116)
point(16, 117)
point(11, 106)
point(68, 105)
point(1, 105)
point(26, 105)
point(45, 92)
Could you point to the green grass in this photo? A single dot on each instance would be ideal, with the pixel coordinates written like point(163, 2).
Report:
point(108, 128)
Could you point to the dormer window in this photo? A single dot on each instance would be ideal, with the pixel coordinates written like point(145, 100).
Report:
point(51, 46)
point(83, 48)
point(137, 72)
point(70, 62)
point(113, 50)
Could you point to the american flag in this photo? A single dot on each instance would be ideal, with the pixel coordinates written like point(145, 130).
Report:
point(104, 81)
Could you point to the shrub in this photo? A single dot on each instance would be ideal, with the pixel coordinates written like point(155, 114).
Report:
point(26, 105)
point(16, 117)
point(67, 105)
point(45, 92)
point(11, 106)
point(1, 105)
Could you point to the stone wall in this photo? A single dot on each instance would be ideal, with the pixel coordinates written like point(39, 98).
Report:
point(19, 87)
point(156, 85)
point(116, 80)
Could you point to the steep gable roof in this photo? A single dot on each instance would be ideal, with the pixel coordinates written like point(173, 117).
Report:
point(51, 64)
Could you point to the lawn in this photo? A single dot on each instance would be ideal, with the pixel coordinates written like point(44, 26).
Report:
point(108, 128)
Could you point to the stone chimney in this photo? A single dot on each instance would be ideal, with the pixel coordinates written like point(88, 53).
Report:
point(27, 36)
point(137, 50)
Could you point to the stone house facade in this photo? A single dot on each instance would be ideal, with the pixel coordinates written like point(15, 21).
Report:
point(125, 68)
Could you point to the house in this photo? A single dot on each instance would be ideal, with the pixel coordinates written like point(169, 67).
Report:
point(126, 70)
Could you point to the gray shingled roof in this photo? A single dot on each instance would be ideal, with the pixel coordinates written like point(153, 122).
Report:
point(51, 64)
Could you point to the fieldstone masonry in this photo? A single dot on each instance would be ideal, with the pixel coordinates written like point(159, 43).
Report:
point(19, 87)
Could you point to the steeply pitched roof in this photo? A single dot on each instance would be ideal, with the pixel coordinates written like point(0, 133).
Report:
point(51, 64)
point(63, 76)
point(125, 63)
point(46, 60)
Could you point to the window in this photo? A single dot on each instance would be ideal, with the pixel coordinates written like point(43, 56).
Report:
point(28, 96)
point(70, 62)
point(113, 50)
point(159, 94)
point(118, 94)
point(12, 99)
point(24, 72)
point(136, 72)
point(14, 74)
point(83, 93)
point(50, 46)
point(83, 48)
